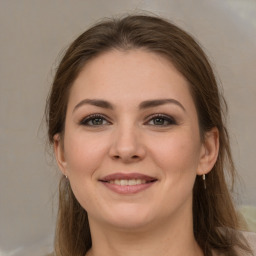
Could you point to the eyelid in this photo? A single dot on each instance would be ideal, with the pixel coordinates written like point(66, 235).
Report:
point(169, 118)
point(92, 116)
point(84, 121)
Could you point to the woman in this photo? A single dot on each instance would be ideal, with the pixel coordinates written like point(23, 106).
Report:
point(135, 118)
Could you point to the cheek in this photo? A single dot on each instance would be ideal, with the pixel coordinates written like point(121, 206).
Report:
point(178, 159)
point(178, 154)
point(84, 154)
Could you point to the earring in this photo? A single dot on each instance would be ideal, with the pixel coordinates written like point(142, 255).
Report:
point(204, 181)
point(66, 176)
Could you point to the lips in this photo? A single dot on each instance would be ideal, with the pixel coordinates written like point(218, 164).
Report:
point(128, 183)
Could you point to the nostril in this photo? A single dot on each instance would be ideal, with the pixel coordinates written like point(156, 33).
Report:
point(134, 157)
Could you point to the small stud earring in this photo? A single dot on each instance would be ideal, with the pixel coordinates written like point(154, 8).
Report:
point(204, 181)
point(66, 176)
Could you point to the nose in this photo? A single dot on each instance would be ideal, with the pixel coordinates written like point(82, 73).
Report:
point(127, 145)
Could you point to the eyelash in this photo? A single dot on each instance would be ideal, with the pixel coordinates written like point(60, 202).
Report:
point(85, 121)
point(164, 118)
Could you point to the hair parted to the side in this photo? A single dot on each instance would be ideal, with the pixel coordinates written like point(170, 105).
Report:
point(214, 216)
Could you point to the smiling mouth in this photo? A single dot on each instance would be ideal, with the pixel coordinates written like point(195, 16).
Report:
point(128, 183)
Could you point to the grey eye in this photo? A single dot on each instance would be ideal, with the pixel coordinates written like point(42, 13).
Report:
point(161, 120)
point(94, 120)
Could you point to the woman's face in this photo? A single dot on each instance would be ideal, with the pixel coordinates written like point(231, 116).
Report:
point(131, 147)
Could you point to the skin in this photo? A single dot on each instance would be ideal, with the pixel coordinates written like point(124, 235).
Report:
point(130, 139)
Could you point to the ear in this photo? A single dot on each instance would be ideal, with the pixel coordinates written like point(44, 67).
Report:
point(59, 154)
point(209, 151)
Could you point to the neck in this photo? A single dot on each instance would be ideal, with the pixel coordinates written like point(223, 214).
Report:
point(167, 238)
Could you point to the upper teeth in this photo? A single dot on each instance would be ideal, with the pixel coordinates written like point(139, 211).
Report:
point(128, 182)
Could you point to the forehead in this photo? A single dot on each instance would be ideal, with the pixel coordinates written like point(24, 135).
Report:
point(130, 75)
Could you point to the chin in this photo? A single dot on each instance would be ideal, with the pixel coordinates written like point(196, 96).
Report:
point(129, 218)
point(130, 224)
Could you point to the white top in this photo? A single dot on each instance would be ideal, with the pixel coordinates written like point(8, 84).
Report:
point(251, 239)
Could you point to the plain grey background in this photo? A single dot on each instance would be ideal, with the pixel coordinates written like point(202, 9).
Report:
point(33, 33)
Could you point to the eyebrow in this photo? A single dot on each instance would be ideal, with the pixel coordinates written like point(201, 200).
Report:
point(143, 105)
point(94, 102)
point(159, 102)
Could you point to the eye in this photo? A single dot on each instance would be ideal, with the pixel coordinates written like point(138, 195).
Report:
point(161, 120)
point(94, 120)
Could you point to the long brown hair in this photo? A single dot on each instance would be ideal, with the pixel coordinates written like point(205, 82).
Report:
point(214, 216)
